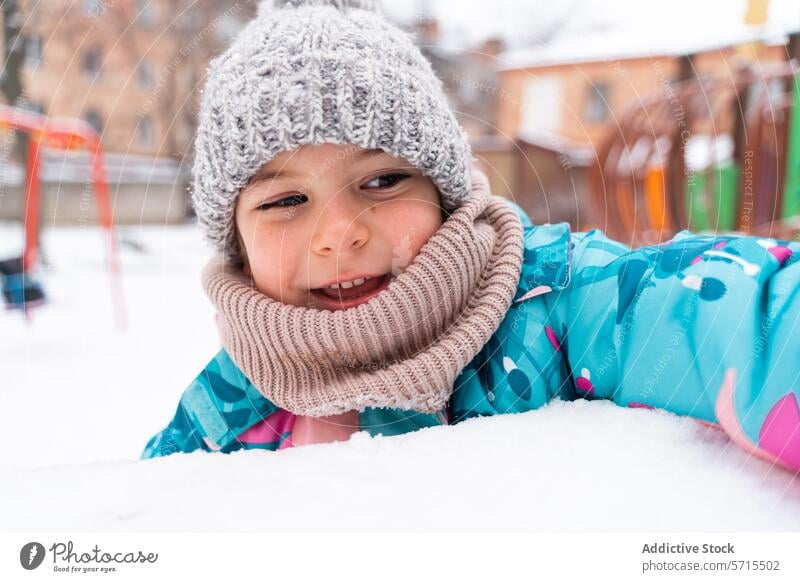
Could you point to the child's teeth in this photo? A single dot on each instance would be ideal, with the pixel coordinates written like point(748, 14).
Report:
point(349, 284)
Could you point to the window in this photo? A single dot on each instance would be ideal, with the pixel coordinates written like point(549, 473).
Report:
point(93, 118)
point(33, 50)
point(228, 27)
point(597, 102)
point(144, 131)
point(91, 62)
point(93, 7)
point(146, 13)
point(542, 105)
point(145, 74)
point(188, 20)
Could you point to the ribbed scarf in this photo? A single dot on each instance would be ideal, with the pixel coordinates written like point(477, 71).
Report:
point(403, 348)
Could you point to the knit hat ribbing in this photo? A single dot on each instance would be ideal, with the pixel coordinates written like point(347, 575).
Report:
point(319, 71)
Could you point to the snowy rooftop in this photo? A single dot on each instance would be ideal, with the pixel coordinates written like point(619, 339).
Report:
point(647, 29)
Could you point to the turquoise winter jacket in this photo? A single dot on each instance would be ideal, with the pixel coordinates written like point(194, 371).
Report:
point(701, 325)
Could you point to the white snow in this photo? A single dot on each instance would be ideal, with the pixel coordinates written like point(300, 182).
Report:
point(623, 29)
point(80, 399)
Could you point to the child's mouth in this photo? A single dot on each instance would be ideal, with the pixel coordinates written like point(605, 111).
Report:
point(327, 298)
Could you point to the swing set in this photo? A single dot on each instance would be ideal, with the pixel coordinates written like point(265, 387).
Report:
point(20, 288)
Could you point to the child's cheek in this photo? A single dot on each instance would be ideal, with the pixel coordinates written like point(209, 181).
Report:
point(271, 263)
point(411, 223)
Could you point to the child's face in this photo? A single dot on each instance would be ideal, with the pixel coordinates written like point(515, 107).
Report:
point(328, 214)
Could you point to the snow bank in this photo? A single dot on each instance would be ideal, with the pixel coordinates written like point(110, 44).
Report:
point(568, 467)
point(80, 399)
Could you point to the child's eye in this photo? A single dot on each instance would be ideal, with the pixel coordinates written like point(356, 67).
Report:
point(385, 180)
point(292, 200)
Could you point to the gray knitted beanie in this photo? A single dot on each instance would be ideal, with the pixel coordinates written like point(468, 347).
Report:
point(312, 72)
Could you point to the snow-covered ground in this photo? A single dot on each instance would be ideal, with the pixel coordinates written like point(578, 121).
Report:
point(80, 399)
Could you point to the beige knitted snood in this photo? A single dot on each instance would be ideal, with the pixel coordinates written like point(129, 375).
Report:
point(402, 349)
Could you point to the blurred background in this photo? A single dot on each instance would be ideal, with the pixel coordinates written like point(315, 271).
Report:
point(641, 92)
point(638, 118)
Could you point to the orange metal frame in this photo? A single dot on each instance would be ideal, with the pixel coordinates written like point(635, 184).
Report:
point(64, 134)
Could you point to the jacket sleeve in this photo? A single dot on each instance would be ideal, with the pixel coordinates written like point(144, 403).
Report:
point(215, 413)
point(221, 411)
point(704, 326)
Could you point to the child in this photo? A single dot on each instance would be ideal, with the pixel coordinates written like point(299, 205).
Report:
point(368, 280)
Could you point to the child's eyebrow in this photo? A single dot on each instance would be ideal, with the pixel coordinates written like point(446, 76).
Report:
point(373, 152)
point(263, 175)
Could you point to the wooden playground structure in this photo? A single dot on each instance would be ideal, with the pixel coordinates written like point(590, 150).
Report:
point(708, 155)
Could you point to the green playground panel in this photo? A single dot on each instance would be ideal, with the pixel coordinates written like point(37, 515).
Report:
point(712, 197)
point(791, 199)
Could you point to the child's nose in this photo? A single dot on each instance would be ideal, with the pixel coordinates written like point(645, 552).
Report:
point(340, 229)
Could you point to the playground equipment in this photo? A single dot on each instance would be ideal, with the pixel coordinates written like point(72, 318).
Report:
point(20, 289)
point(706, 155)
